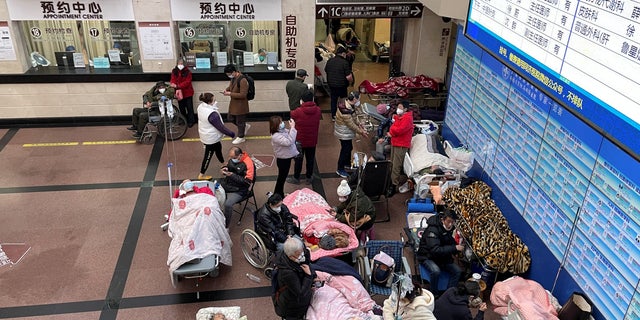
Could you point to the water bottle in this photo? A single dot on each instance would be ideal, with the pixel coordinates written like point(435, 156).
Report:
point(253, 278)
point(356, 163)
point(169, 106)
point(161, 104)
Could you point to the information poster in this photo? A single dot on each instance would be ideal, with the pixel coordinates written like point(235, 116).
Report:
point(155, 40)
point(7, 51)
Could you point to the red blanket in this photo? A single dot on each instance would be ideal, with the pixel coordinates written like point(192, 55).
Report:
point(400, 86)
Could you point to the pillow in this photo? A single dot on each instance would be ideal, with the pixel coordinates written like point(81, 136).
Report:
point(231, 313)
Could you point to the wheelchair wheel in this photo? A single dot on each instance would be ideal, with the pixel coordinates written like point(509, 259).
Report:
point(172, 128)
point(360, 261)
point(147, 138)
point(254, 249)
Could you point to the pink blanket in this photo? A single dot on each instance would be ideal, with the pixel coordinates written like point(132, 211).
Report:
point(311, 209)
point(527, 296)
point(341, 297)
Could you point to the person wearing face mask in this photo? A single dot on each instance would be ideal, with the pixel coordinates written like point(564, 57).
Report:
point(307, 118)
point(150, 100)
point(437, 247)
point(260, 57)
point(295, 280)
point(211, 130)
point(237, 177)
point(283, 141)
point(296, 88)
point(355, 208)
point(345, 129)
point(238, 105)
point(275, 223)
point(400, 134)
point(181, 80)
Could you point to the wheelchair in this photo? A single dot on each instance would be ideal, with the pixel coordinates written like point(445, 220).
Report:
point(166, 120)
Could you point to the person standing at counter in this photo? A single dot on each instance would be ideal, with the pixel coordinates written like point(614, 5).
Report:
point(239, 104)
point(181, 80)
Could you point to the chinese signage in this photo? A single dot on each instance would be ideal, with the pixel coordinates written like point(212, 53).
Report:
point(367, 10)
point(290, 41)
point(71, 10)
point(226, 10)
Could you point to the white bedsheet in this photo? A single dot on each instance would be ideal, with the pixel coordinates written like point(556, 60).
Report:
point(196, 228)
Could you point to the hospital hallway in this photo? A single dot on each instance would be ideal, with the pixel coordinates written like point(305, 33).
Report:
point(82, 209)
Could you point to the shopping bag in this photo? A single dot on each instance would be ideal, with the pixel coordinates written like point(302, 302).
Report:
point(578, 307)
point(459, 158)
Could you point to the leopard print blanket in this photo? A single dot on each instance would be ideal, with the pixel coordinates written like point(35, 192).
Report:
point(486, 228)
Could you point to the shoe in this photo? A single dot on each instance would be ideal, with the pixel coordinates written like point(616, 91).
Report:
point(238, 140)
point(132, 128)
point(246, 128)
point(293, 180)
point(191, 125)
point(308, 180)
point(204, 177)
point(137, 135)
point(342, 173)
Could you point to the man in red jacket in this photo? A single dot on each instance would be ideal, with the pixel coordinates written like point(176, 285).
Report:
point(307, 118)
point(400, 133)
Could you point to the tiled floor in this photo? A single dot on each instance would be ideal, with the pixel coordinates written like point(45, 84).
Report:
point(89, 204)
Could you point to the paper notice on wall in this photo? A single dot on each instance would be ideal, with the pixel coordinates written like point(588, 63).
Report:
point(155, 40)
point(6, 44)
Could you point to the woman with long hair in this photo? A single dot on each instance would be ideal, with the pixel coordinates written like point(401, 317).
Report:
point(283, 141)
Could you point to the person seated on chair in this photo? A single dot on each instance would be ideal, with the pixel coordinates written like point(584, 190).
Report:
point(275, 223)
point(260, 57)
point(150, 100)
point(455, 302)
point(416, 303)
point(437, 247)
point(295, 279)
point(237, 177)
point(355, 208)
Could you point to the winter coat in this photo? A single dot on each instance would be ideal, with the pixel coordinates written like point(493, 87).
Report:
point(437, 244)
point(295, 88)
point(208, 115)
point(153, 95)
point(401, 130)
point(362, 203)
point(274, 226)
point(238, 86)
point(421, 308)
point(182, 79)
point(284, 143)
point(346, 126)
point(295, 297)
point(307, 118)
point(337, 69)
point(242, 177)
point(452, 306)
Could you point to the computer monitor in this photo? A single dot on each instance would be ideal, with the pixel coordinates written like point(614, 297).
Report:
point(64, 59)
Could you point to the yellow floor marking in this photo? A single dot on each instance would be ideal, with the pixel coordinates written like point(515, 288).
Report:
point(90, 143)
point(51, 144)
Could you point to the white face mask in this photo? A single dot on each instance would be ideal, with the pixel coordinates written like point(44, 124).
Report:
point(161, 90)
point(399, 111)
point(357, 104)
point(301, 257)
point(180, 67)
point(342, 199)
point(230, 76)
point(276, 209)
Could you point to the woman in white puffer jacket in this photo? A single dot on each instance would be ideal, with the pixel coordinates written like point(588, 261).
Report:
point(417, 304)
point(211, 129)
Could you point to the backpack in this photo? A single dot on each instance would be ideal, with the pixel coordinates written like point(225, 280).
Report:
point(276, 290)
point(251, 93)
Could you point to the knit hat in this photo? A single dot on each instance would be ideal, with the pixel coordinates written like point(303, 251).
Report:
point(344, 189)
point(185, 187)
point(327, 242)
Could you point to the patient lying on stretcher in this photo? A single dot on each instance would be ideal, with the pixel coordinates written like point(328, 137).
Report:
point(196, 227)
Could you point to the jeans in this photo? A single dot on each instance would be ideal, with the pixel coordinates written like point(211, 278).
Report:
point(344, 159)
point(283, 171)
point(452, 268)
point(309, 155)
point(336, 93)
point(232, 199)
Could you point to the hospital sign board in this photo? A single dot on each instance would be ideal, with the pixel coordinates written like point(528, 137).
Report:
point(369, 10)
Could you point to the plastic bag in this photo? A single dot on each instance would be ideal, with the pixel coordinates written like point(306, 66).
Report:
point(459, 158)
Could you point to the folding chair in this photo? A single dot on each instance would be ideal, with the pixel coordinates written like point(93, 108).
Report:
point(249, 198)
point(375, 183)
point(393, 248)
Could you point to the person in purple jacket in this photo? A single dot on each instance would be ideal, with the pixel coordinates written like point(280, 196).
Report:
point(283, 141)
point(211, 130)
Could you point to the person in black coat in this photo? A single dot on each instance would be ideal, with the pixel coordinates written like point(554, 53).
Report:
point(437, 248)
point(339, 77)
point(275, 223)
point(295, 280)
point(454, 303)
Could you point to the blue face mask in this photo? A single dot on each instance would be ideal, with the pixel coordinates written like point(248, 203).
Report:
point(261, 58)
point(235, 160)
point(281, 126)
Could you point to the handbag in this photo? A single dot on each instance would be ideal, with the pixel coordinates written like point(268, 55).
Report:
point(356, 223)
point(459, 158)
point(299, 148)
point(179, 95)
point(578, 307)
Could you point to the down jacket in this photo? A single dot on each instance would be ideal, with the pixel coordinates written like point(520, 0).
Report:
point(307, 118)
point(346, 126)
point(421, 308)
